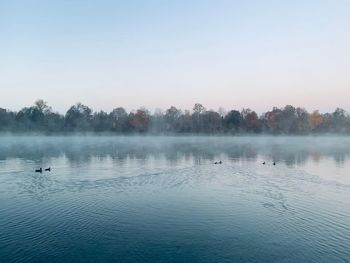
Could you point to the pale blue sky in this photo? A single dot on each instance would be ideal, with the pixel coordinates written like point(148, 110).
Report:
point(233, 54)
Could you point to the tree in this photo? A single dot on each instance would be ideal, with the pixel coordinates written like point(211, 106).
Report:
point(185, 122)
point(172, 116)
point(78, 118)
point(271, 120)
point(6, 120)
point(302, 122)
point(233, 121)
point(213, 122)
point(140, 120)
point(158, 124)
point(197, 120)
point(101, 122)
point(315, 120)
point(340, 120)
point(33, 118)
point(198, 108)
point(251, 120)
point(119, 119)
point(42, 106)
point(288, 120)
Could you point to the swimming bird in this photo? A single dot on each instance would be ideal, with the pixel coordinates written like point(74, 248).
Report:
point(39, 170)
point(48, 169)
point(220, 162)
point(274, 163)
point(264, 162)
point(216, 163)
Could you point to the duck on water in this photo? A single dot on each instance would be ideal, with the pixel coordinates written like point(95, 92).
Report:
point(40, 170)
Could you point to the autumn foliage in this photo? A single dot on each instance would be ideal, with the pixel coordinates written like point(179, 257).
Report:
point(199, 120)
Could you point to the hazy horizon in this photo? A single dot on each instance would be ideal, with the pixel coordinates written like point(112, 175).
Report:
point(229, 54)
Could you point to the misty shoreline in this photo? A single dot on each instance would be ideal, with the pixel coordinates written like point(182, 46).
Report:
point(289, 120)
point(169, 135)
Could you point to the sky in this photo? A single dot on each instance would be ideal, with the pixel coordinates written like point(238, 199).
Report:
point(230, 54)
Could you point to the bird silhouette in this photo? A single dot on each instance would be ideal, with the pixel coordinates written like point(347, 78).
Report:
point(48, 169)
point(274, 163)
point(264, 163)
point(39, 170)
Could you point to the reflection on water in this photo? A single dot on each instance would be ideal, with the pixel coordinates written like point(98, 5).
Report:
point(161, 199)
point(290, 150)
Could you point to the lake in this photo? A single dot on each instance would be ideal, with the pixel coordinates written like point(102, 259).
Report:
point(162, 199)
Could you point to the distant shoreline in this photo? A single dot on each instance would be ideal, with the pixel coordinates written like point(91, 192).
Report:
point(189, 135)
point(290, 120)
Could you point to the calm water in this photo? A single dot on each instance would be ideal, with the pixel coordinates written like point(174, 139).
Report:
point(161, 199)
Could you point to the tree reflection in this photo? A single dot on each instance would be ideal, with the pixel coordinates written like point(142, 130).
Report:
point(291, 151)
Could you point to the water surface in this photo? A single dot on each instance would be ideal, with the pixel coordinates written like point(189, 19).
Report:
point(162, 199)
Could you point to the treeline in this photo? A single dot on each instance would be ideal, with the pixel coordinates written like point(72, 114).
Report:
point(81, 118)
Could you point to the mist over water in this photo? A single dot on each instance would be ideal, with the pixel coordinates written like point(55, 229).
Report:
point(162, 199)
